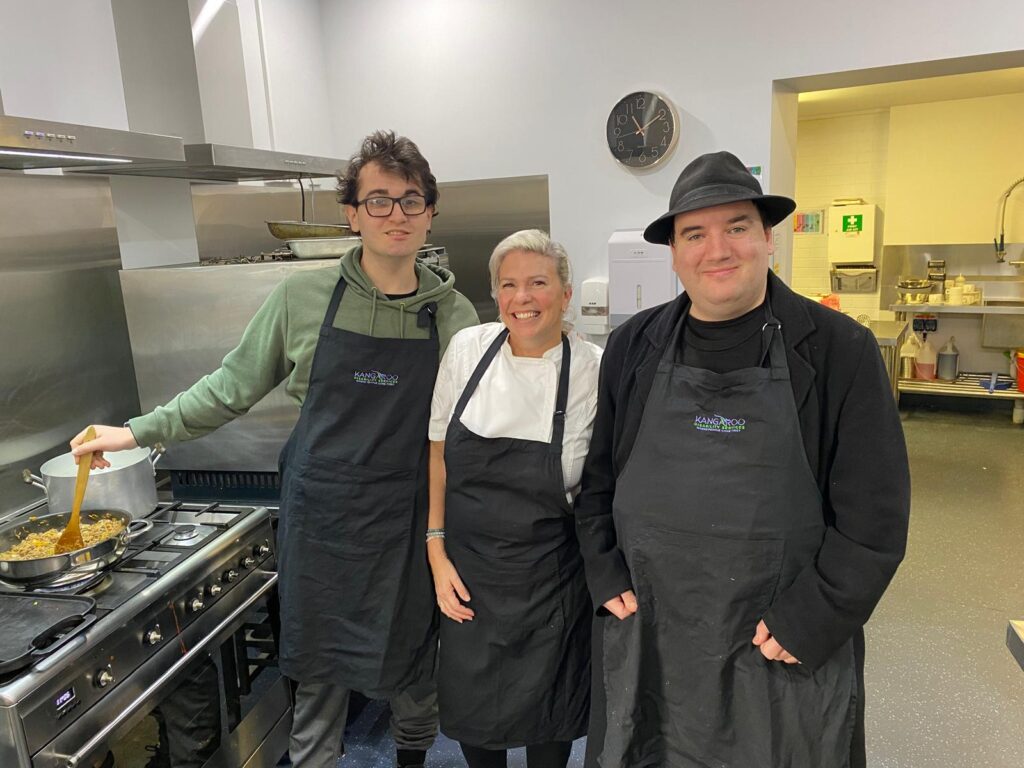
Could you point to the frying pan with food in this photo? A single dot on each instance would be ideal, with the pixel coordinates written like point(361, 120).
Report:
point(104, 546)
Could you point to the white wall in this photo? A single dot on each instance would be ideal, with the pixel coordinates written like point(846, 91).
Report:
point(58, 61)
point(492, 89)
point(301, 117)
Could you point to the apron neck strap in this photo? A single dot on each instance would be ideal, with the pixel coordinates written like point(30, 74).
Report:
point(428, 310)
point(772, 347)
point(478, 373)
point(332, 308)
point(561, 399)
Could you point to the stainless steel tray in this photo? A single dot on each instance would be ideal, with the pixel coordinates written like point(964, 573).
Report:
point(322, 247)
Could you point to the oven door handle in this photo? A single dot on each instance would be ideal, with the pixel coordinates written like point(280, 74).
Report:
point(87, 749)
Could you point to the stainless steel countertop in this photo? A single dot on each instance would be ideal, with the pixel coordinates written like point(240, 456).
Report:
point(887, 332)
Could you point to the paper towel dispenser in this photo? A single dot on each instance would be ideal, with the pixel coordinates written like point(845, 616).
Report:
point(639, 275)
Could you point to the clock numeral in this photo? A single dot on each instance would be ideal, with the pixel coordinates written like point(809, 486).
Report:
point(654, 151)
point(641, 102)
point(621, 147)
point(664, 141)
point(661, 115)
point(620, 119)
point(666, 127)
point(643, 157)
point(618, 132)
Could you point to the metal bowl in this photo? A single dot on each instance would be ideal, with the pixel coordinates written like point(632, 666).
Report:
point(915, 284)
point(71, 566)
point(322, 247)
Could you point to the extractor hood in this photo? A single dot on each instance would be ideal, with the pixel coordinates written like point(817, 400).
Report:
point(220, 162)
point(29, 143)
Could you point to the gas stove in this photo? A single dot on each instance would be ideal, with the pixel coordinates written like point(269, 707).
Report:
point(201, 580)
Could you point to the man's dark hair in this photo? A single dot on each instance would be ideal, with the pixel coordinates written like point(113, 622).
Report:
point(395, 155)
point(766, 221)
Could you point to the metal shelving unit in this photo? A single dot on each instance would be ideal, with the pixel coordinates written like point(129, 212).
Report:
point(968, 385)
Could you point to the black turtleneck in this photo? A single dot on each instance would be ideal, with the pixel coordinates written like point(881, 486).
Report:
point(725, 345)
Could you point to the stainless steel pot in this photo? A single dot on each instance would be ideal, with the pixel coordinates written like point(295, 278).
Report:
point(72, 566)
point(128, 483)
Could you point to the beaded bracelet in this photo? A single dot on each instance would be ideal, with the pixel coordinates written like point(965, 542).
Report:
point(435, 533)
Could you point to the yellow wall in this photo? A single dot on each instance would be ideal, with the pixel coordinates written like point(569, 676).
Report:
point(843, 156)
point(949, 162)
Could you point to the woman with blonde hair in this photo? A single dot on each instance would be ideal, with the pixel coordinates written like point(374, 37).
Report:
point(511, 420)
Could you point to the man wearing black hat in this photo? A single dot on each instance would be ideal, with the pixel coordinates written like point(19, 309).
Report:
point(744, 504)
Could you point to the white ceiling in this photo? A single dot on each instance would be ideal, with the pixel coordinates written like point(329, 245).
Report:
point(814, 104)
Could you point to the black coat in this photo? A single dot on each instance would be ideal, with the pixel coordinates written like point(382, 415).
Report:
point(854, 442)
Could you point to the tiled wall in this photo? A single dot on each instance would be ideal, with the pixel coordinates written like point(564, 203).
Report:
point(843, 156)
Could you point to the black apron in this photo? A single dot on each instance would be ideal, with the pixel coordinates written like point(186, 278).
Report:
point(357, 600)
point(518, 673)
point(716, 512)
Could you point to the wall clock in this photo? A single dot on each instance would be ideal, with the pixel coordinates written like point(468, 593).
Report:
point(642, 129)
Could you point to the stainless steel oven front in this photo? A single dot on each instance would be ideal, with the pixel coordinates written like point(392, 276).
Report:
point(213, 698)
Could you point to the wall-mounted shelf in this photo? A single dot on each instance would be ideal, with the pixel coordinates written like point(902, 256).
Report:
point(951, 309)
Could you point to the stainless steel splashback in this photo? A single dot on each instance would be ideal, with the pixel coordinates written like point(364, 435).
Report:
point(66, 357)
point(182, 321)
point(474, 217)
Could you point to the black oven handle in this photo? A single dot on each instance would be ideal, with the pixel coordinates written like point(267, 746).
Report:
point(87, 749)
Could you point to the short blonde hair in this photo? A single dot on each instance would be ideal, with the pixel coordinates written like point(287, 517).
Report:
point(533, 241)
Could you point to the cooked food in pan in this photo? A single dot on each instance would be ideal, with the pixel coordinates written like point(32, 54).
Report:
point(43, 543)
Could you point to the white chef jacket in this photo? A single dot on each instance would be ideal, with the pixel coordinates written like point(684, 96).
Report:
point(516, 396)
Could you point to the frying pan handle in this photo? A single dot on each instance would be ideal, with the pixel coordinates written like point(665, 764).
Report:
point(74, 623)
point(28, 477)
point(138, 527)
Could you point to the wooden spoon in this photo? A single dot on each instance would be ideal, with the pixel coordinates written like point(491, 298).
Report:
point(71, 538)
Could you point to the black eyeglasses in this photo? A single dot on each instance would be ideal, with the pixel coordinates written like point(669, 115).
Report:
point(412, 205)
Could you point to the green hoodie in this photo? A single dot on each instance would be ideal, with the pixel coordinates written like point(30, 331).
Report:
point(279, 342)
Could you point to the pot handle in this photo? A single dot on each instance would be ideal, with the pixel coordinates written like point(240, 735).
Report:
point(28, 477)
point(155, 454)
point(135, 531)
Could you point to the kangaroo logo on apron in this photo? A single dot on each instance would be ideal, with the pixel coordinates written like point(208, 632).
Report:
point(718, 423)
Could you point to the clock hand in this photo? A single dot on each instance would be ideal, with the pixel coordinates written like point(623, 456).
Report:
point(638, 130)
point(657, 117)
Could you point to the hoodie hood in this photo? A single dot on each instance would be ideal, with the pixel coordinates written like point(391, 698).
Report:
point(434, 285)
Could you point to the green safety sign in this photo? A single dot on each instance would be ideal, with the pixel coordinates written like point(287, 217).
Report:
point(853, 222)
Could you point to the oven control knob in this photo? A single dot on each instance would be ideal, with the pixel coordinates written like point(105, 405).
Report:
point(104, 677)
point(154, 636)
point(214, 589)
point(229, 575)
point(197, 604)
point(261, 550)
point(248, 561)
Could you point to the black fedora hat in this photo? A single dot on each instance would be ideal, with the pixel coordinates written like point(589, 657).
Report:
point(713, 179)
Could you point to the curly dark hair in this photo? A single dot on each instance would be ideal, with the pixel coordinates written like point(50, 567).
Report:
point(395, 155)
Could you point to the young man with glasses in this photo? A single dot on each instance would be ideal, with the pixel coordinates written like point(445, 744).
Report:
point(358, 347)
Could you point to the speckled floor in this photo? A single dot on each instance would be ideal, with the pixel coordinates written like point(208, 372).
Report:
point(942, 689)
point(369, 745)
